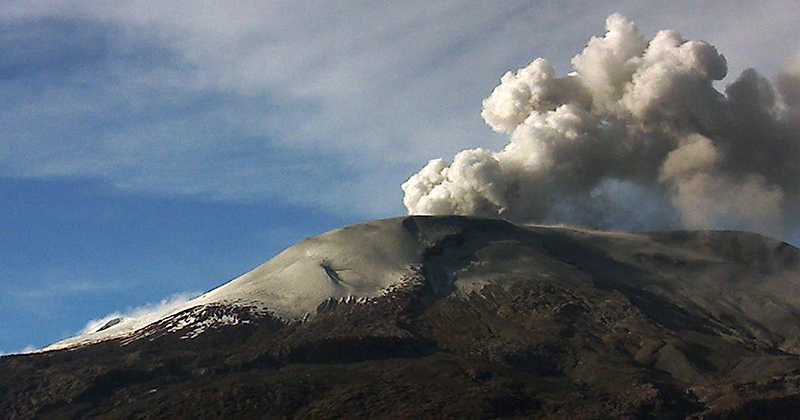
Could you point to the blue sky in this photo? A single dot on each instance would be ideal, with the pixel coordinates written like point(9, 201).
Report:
point(153, 148)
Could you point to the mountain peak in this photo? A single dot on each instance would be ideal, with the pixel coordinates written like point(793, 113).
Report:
point(525, 319)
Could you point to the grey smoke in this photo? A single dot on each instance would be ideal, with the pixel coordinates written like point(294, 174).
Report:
point(637, 135)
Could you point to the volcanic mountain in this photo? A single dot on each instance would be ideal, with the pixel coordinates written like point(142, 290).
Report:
point(431, 317)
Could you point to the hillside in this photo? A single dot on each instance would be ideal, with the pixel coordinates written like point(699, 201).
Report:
point(453, 317)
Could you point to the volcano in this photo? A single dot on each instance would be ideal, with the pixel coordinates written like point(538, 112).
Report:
point(452, 317)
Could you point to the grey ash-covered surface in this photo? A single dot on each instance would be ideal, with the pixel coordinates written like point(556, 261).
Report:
point(430, 317)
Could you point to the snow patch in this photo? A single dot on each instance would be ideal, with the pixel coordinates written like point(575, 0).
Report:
point(195, 321)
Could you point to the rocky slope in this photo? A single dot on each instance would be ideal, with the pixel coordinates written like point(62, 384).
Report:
point(453, 317)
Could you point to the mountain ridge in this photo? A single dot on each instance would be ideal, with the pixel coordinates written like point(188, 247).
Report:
point(490, 318)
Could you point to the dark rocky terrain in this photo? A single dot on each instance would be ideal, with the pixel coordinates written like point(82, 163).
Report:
point(493, 320)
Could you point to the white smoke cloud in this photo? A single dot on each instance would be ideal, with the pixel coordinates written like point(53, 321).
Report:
point(635, 112)
point(118, 324)
point(25, 350)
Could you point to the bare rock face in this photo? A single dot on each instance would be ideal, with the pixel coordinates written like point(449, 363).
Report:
point(431, 317)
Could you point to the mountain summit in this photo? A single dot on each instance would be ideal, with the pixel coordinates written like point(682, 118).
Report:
point(452, 317)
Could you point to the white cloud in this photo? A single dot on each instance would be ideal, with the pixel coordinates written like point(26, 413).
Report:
point(118, 324)
point(27, 349)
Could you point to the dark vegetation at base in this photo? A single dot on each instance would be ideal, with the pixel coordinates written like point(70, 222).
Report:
point(579, 334)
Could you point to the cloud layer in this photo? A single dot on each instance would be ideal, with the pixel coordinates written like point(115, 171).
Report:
point(281, 101)
point(641, 114)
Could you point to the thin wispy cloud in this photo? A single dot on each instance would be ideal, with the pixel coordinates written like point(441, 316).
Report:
point(120, 323)
point(255, 101)
point(26, 349)
point(64, 286)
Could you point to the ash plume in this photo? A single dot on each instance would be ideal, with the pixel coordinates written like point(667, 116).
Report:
point(636, 135)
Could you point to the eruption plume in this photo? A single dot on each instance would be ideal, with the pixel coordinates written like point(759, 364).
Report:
point(636, 136)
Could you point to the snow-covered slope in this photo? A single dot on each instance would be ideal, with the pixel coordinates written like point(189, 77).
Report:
point(353, 262)
point(360, 261)
point(730, 276)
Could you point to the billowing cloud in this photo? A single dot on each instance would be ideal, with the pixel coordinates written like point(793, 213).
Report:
point(643, 114)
